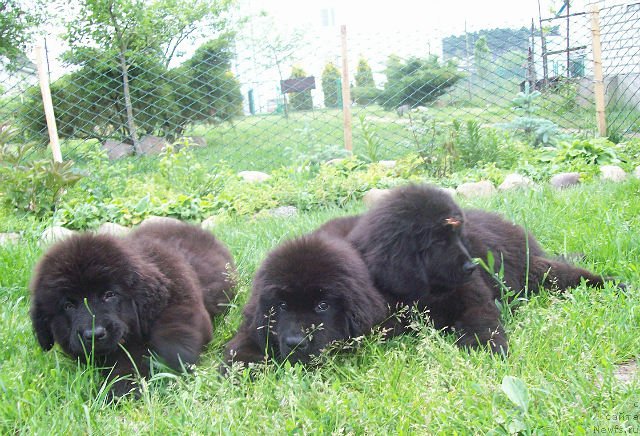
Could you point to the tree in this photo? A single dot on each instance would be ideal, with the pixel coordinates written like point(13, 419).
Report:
point(417, 81)
point(300, 101)
point(89, 101)
point(482, 57)
point(17, 24)
point(365, 91)
point(131, 29)
point(364, 76)
point(210, 91)
point(330, 85)
point(272, 45)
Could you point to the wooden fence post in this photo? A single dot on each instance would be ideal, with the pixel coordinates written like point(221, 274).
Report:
point(598, 77)
point(48, 105)
point(346, 93)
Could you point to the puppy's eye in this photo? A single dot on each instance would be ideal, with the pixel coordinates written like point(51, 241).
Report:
point(322, 306)
point(109, 295)
point(68, 305)
point(282, 305)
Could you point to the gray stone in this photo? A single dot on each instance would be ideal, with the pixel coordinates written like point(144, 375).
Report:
point(402, 110)
point(626, 372)
point(335, 161)
point(254, 176)
point(159, 219)
point(450, 191)
point(516, 181)
point(112, 229)
point(636, 172)
point(283, 212)
point(55, 234)
point(117, 149)
point(612, 173)
point(388, 163)
point(10, 238)
point(197, 141)
point(565, 180)
point(210, 223)
point(150, 145)
point(374, 195)
point(476, 189)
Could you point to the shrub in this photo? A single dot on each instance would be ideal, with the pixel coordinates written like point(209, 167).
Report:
point(580, 152)
point(364, 75)
point(536, 130)
point(365, 95)
point(300, 101)
point(89, 101)
point(211, 92)
point(416, 81)
point(331, 86)
point(31, 185)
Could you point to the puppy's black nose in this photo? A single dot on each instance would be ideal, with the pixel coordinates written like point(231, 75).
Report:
point(469, 267)
point(296, 341)
point(97, 333)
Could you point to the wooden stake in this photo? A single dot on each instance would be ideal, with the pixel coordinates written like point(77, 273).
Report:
point(48, 105)
point(598, 77)
point(346, 93)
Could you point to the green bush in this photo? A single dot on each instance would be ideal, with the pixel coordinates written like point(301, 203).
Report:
point(300, 101)
point(417, 81)
point(536, 130)
point(331, 86)
point(89, 101)
point(211, 92)
point(31, 185)
point(364, 75)
point(365, 95)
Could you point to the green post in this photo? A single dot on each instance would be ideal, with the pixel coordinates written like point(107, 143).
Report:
point(339, 87)
point(252, 104)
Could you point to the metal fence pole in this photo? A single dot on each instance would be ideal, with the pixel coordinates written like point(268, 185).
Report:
point(48, 105)
point(598, 78)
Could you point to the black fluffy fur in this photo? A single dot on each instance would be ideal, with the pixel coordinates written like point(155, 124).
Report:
point(307, 293)
point(153, 291)
point(419, 245)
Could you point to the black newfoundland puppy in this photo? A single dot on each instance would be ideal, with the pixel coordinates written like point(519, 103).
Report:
point(420, 247)
point(151, 292)
point(308, 292)
point(339, 227)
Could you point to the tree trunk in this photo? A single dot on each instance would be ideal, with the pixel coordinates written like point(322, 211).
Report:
point(131, 126)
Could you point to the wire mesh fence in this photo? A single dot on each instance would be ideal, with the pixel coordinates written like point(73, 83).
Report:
point(262, 96)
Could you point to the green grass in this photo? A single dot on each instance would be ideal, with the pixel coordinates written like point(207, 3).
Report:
point(563, 349)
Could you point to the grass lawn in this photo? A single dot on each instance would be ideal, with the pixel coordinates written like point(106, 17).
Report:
point(560, 376)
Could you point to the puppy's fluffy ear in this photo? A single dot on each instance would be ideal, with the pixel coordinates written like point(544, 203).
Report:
point(42, 328)
point(150, 293)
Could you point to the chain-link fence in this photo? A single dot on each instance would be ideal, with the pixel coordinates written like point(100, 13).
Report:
point(264, 96)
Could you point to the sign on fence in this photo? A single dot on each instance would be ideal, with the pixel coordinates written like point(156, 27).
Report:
point(298, 84)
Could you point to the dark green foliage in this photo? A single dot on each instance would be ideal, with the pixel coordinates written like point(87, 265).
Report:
point(300, 101)
point(90, 103)
point(211, 92)
point(17, 23)
point(417, 81)
point(331, 85)
point(31, 185)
